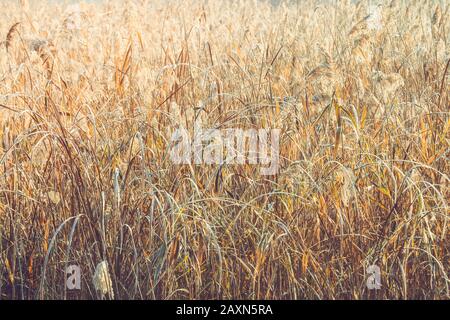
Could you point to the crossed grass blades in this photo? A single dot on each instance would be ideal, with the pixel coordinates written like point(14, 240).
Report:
point(90, 94)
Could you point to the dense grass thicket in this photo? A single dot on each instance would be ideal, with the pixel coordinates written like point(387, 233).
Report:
point(89, 97)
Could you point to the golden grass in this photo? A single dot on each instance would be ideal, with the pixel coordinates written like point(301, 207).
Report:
point(88, 100)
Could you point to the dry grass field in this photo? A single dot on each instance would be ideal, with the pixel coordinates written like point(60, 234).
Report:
point(89, 96)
